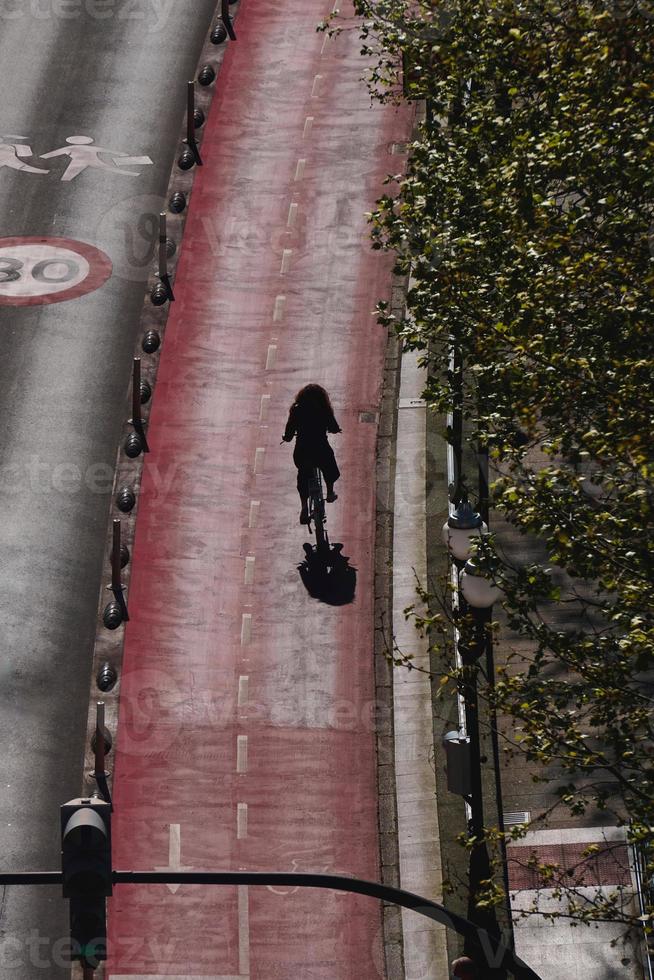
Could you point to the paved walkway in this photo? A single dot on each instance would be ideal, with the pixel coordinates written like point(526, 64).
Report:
point(246, 735)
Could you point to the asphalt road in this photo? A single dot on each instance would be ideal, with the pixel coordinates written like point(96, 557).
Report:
point(114, 71)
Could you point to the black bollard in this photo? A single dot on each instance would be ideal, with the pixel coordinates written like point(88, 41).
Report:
point(151, 342)
point(125, 499)
point(177, 202)
point(133, 445)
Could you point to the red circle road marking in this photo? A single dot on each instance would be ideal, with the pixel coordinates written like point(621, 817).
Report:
point(94, 268)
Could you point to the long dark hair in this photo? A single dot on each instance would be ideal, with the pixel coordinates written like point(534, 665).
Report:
point(313, 398)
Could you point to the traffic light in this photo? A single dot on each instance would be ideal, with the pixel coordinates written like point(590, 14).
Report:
point(86, 868)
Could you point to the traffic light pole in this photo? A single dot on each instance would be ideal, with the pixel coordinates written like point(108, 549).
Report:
point(495, 952)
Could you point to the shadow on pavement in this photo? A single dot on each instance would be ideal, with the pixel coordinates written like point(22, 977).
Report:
point(328, 576)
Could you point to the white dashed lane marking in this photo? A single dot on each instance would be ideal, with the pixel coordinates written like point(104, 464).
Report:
point(241, 820)
point(259, 456)
point(308, 126)
point(254, 513)
point(246, 628)
point(241, 753)
point(272, 357)
point(286, 261)
point(248, 578)
point(292, 215)
point(243, 930)
point(299, 170)
point(316, 86)
point(243, 690)
point(263, 410)
point(279, 308)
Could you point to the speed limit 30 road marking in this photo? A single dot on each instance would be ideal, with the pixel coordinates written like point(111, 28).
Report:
point(37, 271)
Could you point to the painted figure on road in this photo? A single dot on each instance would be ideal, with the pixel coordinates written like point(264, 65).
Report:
point(310, 418)
point(13, 155)
point(84, 154)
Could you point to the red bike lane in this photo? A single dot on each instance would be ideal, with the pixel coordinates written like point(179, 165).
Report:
point(246, 728)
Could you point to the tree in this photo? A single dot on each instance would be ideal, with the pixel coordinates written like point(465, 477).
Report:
point(525, 218)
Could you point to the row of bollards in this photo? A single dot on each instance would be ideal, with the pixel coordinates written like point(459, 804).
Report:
point(115, 612)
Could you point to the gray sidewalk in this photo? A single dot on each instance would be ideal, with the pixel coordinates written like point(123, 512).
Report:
point(427, 814)
point(425, 948)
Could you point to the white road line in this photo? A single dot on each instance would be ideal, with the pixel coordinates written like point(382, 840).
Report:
point(259, 456)
point(244, 930)
point(292, 216)
point(272, 357)
point(175, 845)
point(263, 409)
point(243, 690)
point(316, 86)
point(335, 8)
point(299, 170)
point(308, 126)
point(170, 976)
point(241, 821)
point(324, 43)
point(280, 307)
point(246, 628)
point(175, 855)
point(286, 261)
point(241, 753)
point(254, 513)
point(248, 578)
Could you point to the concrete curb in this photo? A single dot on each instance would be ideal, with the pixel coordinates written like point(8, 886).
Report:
point(385, 483)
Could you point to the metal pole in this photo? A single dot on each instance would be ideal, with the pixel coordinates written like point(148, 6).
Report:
point(227, 20)
point(470, 653)
point(190, 113)
point(484, 510)
point(191, 138)
point(456, 435)
point(492, 947)
point(116, 583)
point(163, 256)
point(136, 393)
point(484, 491)
point(99, 740)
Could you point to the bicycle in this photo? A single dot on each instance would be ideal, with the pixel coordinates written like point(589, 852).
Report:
point(316, 509)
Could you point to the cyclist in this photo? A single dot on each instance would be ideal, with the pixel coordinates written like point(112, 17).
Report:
point(310, 418)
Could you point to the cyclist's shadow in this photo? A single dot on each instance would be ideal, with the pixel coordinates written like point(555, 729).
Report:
point(327, 574)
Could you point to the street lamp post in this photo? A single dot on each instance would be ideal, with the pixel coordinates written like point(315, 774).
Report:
point(476, 594)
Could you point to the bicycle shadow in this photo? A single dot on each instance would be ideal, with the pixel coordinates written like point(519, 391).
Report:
point(328, 576)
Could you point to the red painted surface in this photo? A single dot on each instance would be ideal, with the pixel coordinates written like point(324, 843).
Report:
point(310, 779)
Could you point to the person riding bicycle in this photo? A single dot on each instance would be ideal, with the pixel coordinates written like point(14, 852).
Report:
point(310, 418)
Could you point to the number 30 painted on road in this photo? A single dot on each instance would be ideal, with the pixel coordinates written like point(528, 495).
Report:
point(38, 271)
